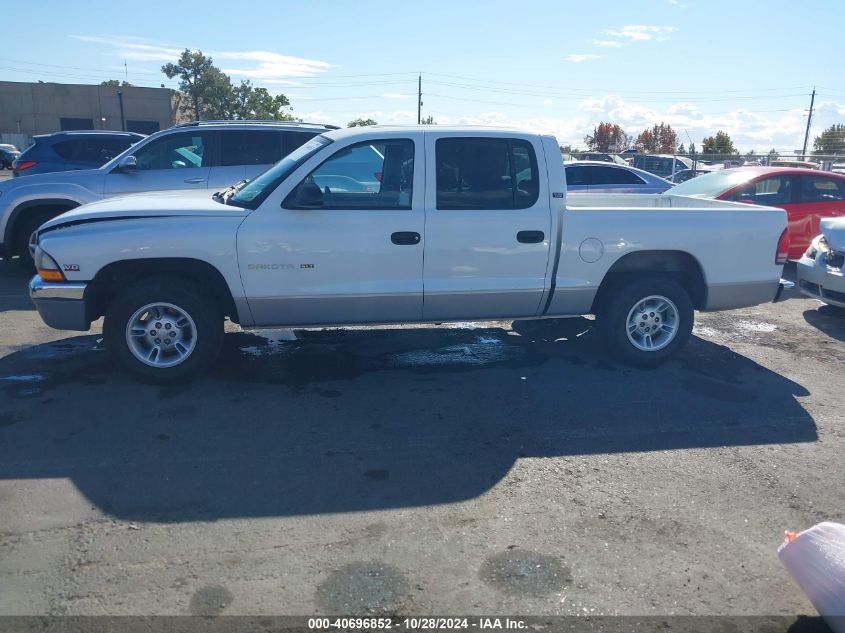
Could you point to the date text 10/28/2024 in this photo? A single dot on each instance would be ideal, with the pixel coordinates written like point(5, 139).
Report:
point(416, 624)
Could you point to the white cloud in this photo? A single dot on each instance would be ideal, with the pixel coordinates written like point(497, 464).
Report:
point(135, 48)
point(607, 43)
point(264, 66)
point(641, 32)
point(581, 57)
point(748, 129)
point(395, 95)
point(270, 65)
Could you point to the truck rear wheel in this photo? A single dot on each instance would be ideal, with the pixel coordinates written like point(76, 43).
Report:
point(646, 320)
point(163, 330)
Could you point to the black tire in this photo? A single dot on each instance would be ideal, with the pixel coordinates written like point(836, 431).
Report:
point(206, 315)
point(618, 302)
point(24, 229)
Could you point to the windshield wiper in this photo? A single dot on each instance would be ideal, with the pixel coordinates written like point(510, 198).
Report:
point(224, 195)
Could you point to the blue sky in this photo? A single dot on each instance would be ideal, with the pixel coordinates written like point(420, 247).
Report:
point(560, 67)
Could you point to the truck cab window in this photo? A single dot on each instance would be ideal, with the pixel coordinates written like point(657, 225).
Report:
point(486, 173)
point(370, 175)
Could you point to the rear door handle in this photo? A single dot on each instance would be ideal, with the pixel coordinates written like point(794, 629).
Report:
point(405, 238)
point(194, 181)
point(530, 237)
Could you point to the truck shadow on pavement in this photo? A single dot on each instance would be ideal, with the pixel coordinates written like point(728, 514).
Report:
point(366, 419)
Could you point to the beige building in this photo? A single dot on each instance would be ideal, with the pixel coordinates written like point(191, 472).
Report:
point(27, 109)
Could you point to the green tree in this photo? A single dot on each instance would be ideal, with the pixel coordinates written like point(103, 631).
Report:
point(116, 83)
point(658, 139)
point(831, 141)
point(246, 101)
point(691, 150)
point(682, 149)
point(361, 123)
point(213, 95)
point(606, 134)
point(721, 143)
point(194, 78)
point(218, 95)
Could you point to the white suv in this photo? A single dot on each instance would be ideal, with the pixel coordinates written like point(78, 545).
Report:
point(196, 155)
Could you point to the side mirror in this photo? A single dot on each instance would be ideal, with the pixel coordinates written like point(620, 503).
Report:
point(127, 164)
point(308, 195)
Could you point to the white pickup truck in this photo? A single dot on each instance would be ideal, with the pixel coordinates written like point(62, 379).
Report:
point(398, 225)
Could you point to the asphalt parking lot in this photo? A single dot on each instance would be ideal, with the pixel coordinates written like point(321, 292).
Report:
point(475, 468)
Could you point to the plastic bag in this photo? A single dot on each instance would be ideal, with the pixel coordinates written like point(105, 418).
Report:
point(816, 560)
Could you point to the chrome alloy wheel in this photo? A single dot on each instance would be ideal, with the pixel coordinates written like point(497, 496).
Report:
point(652, 323)
point(161, 335)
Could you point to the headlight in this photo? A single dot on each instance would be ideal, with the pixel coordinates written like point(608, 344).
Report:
point(46, 266)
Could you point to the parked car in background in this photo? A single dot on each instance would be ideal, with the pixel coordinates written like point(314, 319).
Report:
point(663, 165)
point(197, 155)
point(797, 164)
point(686, 174)
point(807, 196)
point(7, 157)
point(595, 176)
point(821, 270)
point(66, 151)
point(602, 157)
point(9, 147)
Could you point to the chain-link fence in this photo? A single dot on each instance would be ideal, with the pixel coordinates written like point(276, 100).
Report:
point(681, 166)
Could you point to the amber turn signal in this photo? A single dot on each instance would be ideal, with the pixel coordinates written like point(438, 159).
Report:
point(51, 275)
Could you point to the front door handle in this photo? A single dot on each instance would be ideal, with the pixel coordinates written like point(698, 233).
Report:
point(405, 238)
point(194, 181)
point(530, 237)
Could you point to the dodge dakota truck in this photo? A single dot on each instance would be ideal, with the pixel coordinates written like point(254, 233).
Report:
point(399, 225)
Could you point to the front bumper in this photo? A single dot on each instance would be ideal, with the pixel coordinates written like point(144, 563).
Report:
point(818, 280)
point(60, 305)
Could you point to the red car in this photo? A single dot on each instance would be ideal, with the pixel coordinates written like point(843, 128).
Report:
point(807, 195)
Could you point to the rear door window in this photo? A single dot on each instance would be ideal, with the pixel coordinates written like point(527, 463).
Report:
point(250, 147)
point(294, 140)
point(485, 173)
point(65, 149)
point(616, 176)
point(98, 151)
point(821, 189)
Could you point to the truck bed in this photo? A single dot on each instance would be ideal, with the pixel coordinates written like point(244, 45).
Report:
point(651, 201)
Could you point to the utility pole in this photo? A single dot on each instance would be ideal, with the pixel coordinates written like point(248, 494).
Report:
point(125, 71)
point(809, 118)
point(120, 101)
point(419, 100)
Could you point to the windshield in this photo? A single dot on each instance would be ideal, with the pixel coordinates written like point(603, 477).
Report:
point(255, 191)
point(712, 184)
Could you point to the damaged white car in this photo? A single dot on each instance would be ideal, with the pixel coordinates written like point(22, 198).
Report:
point(821, 271)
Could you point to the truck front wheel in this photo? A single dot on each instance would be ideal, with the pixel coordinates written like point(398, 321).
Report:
point(163, 330)
point(646, 320)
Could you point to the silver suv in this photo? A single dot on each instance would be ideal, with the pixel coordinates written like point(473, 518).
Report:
point(197, 155)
